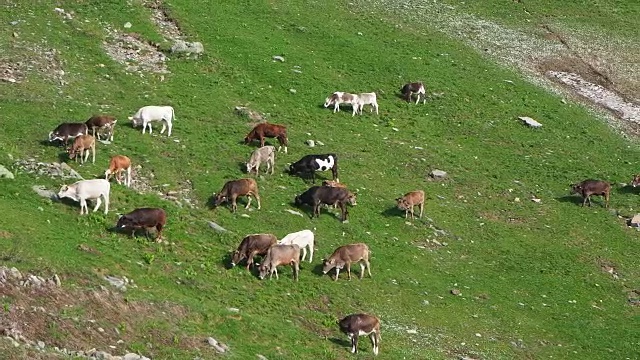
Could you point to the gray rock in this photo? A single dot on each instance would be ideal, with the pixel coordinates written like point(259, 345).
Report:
point(132, 356)
point(120, 284)
point(41, 344)
point(529, 121)
point(127, 25)
point(635, 221)
point(220, 347)
point(310, 143)
point(278, 58)
point(261, 357)
point(293, 91)
point(217, 227)
point(320, 143)
point(294, 212)
point(181, 46)
point(5, 173)
point(438, 174)
point(40, 190)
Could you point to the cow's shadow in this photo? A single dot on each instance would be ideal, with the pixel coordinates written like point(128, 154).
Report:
point(226, 261)
point(317, 270)
point(577, 200)
point(628, 189)
point(147, 233)
point(341, 342)
point(56, 143)
point(393, 211)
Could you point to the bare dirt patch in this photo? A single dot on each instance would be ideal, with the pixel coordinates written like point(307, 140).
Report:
point(135, 53)
point(25, 58)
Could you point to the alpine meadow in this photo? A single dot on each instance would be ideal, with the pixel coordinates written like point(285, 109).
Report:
point(505, 262)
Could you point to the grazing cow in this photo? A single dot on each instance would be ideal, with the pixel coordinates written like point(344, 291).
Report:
point(318, 195)
point(99, 123)
point(636, 180)
point(590, 187)
point(340, 97)
point(309, 164)
point(304, 239)
point(266, 130)
point(281, 255)
point(144, 218)
point(263, 154)
point(148, 114)
point(66, 131)
point(356, 325)
point(344, 256)
point(234, 188)
point(84, 190)
point(117, 165)
point(409, 200)
point(368, 99)
point(414, 88)
point(82, 145)
point(252, 245)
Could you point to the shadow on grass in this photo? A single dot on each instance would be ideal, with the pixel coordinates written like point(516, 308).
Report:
point(341, 342)
point(134, 233)
point(393, 211)
point(627, 190)
point(577, 200)
point(317, 270)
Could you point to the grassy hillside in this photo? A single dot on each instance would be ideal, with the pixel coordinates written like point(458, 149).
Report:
point(530, 274)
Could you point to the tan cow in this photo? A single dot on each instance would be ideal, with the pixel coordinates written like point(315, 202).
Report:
point(281, 255)
point(409, 200)
point(82, 145)
point(344, 256)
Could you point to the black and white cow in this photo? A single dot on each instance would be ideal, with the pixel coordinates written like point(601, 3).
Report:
point(309, 164)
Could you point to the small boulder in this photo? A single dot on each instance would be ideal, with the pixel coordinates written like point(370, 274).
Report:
point(182, 46)
point(310, 143)
point(278, 58)
point(529, 121)
point(216, 227)
point(220, 347)
point(127, 25)
point(438, 174)
point(5, 173)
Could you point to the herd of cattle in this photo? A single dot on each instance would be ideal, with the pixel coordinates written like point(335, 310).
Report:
point(275, 253)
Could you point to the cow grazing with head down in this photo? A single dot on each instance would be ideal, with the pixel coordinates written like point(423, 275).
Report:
point(340, 97)
point(636, 180)
point(84, 190)
point(414, 88)
point(266, 130)
point(590, 187)
point(234, 188)
point(102, 123)
point(309, 164)
point(66, 131)
point(265, 154)
point(148, 114)
point(367, 99)
point(144, 218)
point(304, 239)
point(280, 255)
point(344, 256)
point(82, 145)
point(318, 195)
point(356, 325)
point(117, 165)
point(409, 200)
point(252, 245)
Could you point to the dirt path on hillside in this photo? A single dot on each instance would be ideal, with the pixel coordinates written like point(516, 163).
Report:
point(601, 72)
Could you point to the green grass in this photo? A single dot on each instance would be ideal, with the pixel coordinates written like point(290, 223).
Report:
point(529, 273)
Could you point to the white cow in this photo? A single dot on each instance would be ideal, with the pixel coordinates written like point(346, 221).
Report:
point(304, 239)
point(148, 114)
point(264, 154)
point(84, 190)
point(367, 99)
point(340, 97)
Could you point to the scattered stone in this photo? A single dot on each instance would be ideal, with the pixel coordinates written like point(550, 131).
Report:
point(529, 121)
point(40, 190)
point(120, 284)
point(294, 212)
point(220, 347)
point(536, 200)
point(297, 71)
point(310, 143)
point(5, 173)
point(293, 91)
point(62, 170)
point(232, 309)
point(455, 292)
point(412, 331)
point(14, 23)
point(245, 216)
point(217, 227)
point(127, 25)
point(251, 114)
point(134, 53)
point(395, 129)
point(181, 46)
point(635, 221)
point(278, 58)
point(438, 174)
point(319, 143)
point(261, 357)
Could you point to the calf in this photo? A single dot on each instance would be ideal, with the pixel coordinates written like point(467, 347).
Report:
point(144, 218)
point(266, 130)
point(281, 255)
point(590, 187)
point(318, 195)
point(84, 190)
point(263, 154)
point(368, 99)
point(356, 325)
point(344, 256)
point(309, 164)
point(304, 239)
point(117, 165)
point(82, 145)
point(340, 97)
point(234, 188)
point(98, 123)
point(252, 245)
point(147, 114)
point(414, 88)
point(409, 200)
point(66, 131)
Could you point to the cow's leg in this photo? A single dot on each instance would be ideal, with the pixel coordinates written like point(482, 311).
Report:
point(354, 343)
point(296, 270)
point(368, 264)
point(374, 341)
point(234, 206)
point(349, 270)
point(83, 205)
point(421, 209)
point(106, 203)
point(248, 201)
point(275, 270)
point(128, 176)
point(418, 99)
point(119, 176)
point(98, 203)
point(304, 253)
point(344, 211)
point(159, 231)
point(310, 252)
point(361, 270)
point(606, 200)
point(164, 126)
point(250, 259)
point(261, 141)
point(337, 273)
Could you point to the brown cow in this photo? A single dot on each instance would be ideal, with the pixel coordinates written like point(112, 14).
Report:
point(266, 130)
point(318, 195)
point(252, 245)
point(82, 145)
point(414, 88)
point(144, 218)
point(117, 165)
point(344, 256)
point(636, 180)
point(590, 187)
point(98, 123)
point(356, 325)
point(409, 200)
point(281, 255)
point(234, 188)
